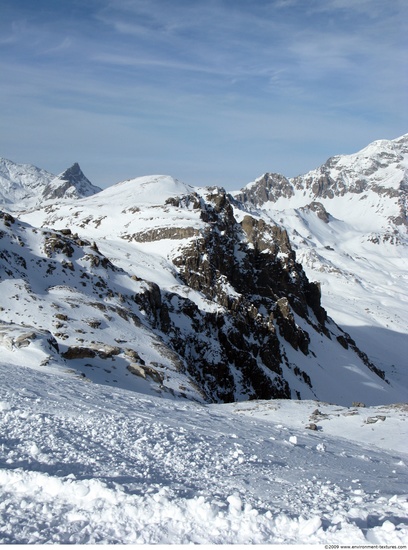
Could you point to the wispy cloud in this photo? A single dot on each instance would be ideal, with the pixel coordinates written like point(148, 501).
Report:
point(236, 82)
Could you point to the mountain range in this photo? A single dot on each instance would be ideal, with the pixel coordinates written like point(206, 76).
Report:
point(288, 288)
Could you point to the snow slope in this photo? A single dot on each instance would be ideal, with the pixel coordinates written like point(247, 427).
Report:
point(347, 221)
point(139, 230)
point(24, 186)
point(84, 463)
point(19, 182)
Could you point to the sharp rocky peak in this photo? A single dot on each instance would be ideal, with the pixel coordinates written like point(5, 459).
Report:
point(72, 183)
point(24, 186)
point(269, 187)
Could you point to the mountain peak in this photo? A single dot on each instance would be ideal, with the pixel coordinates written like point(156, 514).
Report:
point(269, 187)
point(72, 183)
point(73, 172)
point(25, 186)
point(21, 183)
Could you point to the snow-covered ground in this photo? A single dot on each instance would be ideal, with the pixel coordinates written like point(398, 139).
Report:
point(91, 453)
point(86, 463)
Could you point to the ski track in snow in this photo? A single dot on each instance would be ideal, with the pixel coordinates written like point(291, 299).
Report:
point(83, 463)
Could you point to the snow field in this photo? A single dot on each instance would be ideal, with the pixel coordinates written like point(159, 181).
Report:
point(84, 463)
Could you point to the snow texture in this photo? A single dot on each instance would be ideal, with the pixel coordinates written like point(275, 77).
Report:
point(110, 457)
point(84, 463)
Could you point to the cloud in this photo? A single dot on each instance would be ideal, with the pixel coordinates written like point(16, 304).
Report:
point(221, 86)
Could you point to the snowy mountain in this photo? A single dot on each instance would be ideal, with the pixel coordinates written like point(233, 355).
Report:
point(378, 173)
point(152, 333)
point(19, 183)
point(24, 186)
point(153, 263)
point(213, 280)
point(347, 222)
point(71, 184)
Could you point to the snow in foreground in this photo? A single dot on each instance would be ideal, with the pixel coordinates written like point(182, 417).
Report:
point(84, 463)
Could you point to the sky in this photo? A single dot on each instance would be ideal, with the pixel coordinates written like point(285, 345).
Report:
point(211, 92)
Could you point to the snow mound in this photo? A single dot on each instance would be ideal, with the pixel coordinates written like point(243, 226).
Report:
point(146, 190)
point(84, 464)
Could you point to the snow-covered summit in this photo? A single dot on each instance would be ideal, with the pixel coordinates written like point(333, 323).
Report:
point(381, 167)
point(149, 190)
point(24, 186)
point(21, 182)
point(72, 183)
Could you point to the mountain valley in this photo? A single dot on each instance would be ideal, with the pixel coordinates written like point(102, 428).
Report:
point(285, 289)
point(183, 365)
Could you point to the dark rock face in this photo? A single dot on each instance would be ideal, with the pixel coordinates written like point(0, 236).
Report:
point(248, 271)
point(318, 209)
point(270, 187)
point(71, 183)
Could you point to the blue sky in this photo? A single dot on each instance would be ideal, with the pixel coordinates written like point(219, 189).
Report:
point(212, 92)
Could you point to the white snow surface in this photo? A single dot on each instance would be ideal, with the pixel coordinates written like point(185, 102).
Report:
point(117, 458)
point(360, 257)
point(119, 219)
point(20, 182)
point(82, 463)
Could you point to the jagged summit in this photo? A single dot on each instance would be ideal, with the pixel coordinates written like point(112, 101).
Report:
point(374, 179)
point(24, 186)
point(72, 183)
point(268, 188)
point(289, 288)
point(381, 167)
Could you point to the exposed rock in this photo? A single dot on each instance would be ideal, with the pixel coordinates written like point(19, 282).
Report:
point(101, 350)
point(312, 426)
point(61, 316)
point(93, 323)
point(7, 218)
point(145, 371)
point(374, 419)
point(162, 233)
point(318, 209)
point(270, 187)
point(342, 341)
point(72, 183)
point(75, 352)
point(14, 336)
point(55, 243)
point(133, 355)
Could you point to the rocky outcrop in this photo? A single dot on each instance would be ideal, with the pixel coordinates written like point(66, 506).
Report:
point(249, 271)
point(93, 350)
point(318, 209)
point(269, 187)
point(13, 336)
point(162, 233)
point(72, 183)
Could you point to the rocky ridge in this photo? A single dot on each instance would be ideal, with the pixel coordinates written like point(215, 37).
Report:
point(378, 173)
point(24, 186)
point(187, 295)
point(347, 222)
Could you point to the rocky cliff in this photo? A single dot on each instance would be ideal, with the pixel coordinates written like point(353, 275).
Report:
point(155, 286)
